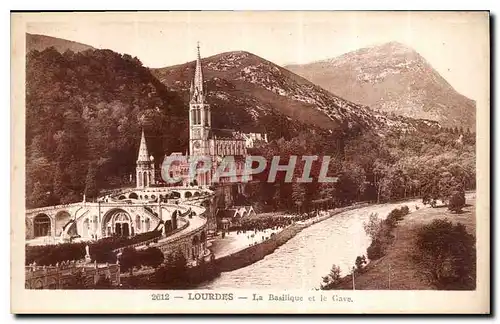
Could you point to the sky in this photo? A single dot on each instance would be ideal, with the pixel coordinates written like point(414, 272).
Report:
point(455, 44)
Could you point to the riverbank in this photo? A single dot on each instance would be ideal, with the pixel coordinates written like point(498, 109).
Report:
point(396, 270)
point(254, 253)
point(305, 258)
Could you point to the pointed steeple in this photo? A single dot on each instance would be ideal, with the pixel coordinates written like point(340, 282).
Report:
point(143, 150)
point(197, 85)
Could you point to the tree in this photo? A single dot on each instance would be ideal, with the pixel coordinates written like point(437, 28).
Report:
point(372, 226)
point(298, 195)
point(457, 201)
point(360, 263)
point(446, 253)
point(39, 196)
point(173, 274)
point(153, 257)
point(128, 259)
point(91, 189)
point(332, 279)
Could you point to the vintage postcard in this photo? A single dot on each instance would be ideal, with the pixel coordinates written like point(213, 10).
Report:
point(250, 162)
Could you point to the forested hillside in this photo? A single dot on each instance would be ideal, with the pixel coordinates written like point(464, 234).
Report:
point(36, 42)
point(431, 163)
point(84, 113)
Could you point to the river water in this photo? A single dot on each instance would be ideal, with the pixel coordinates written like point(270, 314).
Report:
point(301, 262)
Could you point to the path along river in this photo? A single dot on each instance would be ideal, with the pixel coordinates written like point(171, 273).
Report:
point(301, 262)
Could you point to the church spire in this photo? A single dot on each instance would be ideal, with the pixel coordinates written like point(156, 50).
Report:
point(197, 85)
point(143, 150)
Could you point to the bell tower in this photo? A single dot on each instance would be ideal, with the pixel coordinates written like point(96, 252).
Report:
point(199, 113)
point(145, 167)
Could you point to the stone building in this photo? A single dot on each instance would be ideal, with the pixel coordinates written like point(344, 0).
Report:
point(204, 141)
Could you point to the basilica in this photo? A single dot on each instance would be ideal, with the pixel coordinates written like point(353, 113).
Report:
point(204, 140)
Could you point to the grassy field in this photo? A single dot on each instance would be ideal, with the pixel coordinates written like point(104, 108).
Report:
point(396, 270)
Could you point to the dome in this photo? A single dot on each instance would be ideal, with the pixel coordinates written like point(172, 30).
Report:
point(151, 158)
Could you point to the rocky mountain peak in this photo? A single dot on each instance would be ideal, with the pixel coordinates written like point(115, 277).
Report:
point(394, 78)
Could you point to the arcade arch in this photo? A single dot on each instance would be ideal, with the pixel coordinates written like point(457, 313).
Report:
point(117, 222)
point(195, 247)
point(41, 225)
point(61, 219)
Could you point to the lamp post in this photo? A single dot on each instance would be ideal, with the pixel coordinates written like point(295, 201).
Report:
point(353, 285)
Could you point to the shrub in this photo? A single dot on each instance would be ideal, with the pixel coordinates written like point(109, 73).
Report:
point(173, 274)
point(375, 250)
point(100, 251)
point(152, 257)
point(447, 255)
point(396, 215)
point(128, 259)
point(457, 201)
point(381, 232)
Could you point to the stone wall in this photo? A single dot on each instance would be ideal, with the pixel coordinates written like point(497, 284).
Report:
point(61, 276)
point(257, 252)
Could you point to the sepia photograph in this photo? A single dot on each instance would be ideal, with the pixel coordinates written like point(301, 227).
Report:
point(261, 158)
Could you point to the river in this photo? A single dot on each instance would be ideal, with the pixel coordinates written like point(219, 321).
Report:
point(301, 262)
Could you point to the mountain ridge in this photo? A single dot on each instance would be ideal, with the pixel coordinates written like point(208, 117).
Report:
point(393, 78)
point(246, 81)
point(41, 42)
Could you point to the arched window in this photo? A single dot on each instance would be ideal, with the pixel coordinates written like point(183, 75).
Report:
point(198, 117)
point(139, 179)
point(195, 247)
point(41, 225)
point(121, 217)
point(147, 224)
point(145, 179)
point(62, 218)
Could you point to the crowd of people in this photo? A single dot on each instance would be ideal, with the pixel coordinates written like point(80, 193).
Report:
point(261, 223)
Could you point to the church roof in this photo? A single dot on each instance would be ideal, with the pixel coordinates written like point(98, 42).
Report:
point(143, 150)
point(223, 133)
point(197, 94)
point(225, 213)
